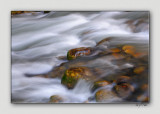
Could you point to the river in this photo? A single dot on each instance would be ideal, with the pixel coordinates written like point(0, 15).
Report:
point(39, 38)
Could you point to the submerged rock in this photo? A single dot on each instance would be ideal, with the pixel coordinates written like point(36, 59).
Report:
point(115, 50)
point(57, 72)
point(56, 99)
point(124, 90)
point(101, 83)
point(131, 50)
point(72, 75)
point(138, 25)
point(105, 96)
point(143, 98)
point(123, 79)
point(77, 52)
point(144, 87)
point(139, 70)
point(128, 49)
point(104, 41)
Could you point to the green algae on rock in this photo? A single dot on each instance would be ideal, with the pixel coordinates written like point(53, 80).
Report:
point(77, 52)
point(72, 75)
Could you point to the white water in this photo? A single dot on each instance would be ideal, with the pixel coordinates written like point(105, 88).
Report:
point(37, 39)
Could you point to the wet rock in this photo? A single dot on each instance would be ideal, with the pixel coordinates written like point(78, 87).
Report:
point(57, 72)
point(62, 57)
point(72, 75)
point(143, 98)
point(86, 101)
point(118, 56)
point(138, 25)
point(138, 54)
point(144, 87)
point(105, 95)
point(124, 90)
point(98, 84)
point(131, 25)
point(16, 12)
point(77, 52)
point(128, 49)
point(141, 25)
point(21, 12)
point(56, 99)
point(132, 51)
point(123, 79)
point(115, 50)
point(101, 83)
point(139, 70)
point(104, 41)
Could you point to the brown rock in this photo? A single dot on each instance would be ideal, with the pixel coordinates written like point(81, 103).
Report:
point(72, 75)
point(124, 90)
point(123, 79)
point(77, 52)
point(104, 95)
point(56, 99)
point(139, 70)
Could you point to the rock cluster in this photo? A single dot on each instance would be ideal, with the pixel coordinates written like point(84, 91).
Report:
point(127, 84)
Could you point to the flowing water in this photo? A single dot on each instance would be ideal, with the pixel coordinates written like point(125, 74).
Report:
point(38, 39)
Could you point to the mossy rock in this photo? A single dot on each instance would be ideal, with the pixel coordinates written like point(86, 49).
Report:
point(72, 75)
point(77, 52)
point(104, 95)
point(56, 99)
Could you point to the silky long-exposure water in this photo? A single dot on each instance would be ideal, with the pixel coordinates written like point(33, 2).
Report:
point(39, 39)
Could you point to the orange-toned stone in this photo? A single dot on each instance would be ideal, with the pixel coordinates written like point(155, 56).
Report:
point(129, 49)
point(143, 98)
point(139, 70)
point(117, 56)
point(115, 50)
point(138, 54)
point(72, 75)
point(101, 83)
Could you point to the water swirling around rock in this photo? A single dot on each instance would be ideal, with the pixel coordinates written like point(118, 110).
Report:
point(38, 40)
